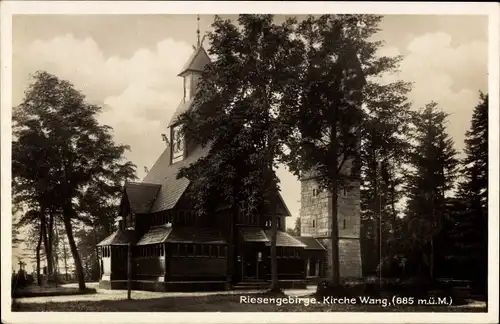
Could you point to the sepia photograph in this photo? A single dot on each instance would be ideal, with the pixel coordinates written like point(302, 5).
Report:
point(168, 158)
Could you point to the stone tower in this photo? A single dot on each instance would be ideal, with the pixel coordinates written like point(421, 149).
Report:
point(316, 217)
point(316, 204)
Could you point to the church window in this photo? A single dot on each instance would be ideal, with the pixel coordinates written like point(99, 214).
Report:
point(314, 223)
point(221, 251)
point(204, 251)
point(344, 224)
point(190, 250)
point(182, 250)
point(177, 144)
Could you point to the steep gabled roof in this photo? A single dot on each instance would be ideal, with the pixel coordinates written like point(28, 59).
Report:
point(141, 196)
point(196, 62)
point(165, 174)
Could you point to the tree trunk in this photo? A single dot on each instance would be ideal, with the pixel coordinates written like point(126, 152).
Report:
point(96, 251)
point(271, 209)
point(54, 251)
point(38, 247)
point(335, 238)
point(65, 256)
point(47, 241)
point(335, 223)
point(274, 233)
point(233, 214)
point(74, 251)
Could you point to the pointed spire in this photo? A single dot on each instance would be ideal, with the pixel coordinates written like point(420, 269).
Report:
point(198, 32)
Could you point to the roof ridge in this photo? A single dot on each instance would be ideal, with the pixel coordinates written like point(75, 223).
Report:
point(142, 183)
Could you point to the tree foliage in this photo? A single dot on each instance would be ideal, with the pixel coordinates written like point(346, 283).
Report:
point(432, 176)
point(60, 150)
point(469, 232)
point(237, 111)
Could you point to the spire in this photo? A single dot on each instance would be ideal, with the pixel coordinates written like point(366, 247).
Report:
point(198, 33)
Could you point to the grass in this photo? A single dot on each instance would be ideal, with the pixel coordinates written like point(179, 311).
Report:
point(36, 291)
point(214, 303)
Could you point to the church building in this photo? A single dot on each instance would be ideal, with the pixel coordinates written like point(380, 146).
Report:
point(175, 249)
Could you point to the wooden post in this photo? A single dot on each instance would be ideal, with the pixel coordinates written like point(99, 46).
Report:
point(129, 271)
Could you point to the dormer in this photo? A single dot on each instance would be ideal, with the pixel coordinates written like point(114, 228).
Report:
point(191, 74)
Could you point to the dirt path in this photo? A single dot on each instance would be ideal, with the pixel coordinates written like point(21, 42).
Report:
point(105, 294)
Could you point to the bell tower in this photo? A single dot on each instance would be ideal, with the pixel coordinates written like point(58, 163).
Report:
point(191, 74)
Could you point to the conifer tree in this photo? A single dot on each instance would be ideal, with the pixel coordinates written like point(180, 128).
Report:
point(470, 222)
point(432, 176)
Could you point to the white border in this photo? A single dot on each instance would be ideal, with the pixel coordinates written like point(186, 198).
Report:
point(10, 8)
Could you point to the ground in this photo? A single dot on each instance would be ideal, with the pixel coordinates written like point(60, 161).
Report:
point(229, 301)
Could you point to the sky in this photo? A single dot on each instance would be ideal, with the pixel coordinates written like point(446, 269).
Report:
point(128, 64)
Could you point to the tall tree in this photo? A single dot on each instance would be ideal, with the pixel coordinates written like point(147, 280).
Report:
point(470, 232)
point(238, 109)
point(383, 154)
point(341, 57)
point(60, 148)
point(433, 164)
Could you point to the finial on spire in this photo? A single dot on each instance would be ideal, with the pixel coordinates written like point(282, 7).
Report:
point(198, 32)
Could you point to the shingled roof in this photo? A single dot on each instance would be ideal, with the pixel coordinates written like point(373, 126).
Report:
point(141, 196)
point(256, 234)
point(196, 62)
point(117, 238)
point(165, 174)
point(181, 108)
point(310, 242)
point(284, 239)
point(253, 234)
point(155, 235)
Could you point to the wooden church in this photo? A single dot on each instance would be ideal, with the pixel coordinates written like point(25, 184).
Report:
point(174, 249)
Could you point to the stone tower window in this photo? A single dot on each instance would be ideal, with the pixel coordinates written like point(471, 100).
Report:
point(344, 224)
point(314, 223)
